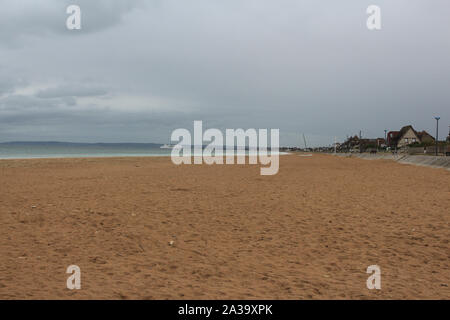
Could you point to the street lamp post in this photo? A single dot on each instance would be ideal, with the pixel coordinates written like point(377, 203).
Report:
point(437, 133)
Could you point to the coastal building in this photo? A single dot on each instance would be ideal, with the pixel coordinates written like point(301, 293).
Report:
point(407, 136)
point(356, 144)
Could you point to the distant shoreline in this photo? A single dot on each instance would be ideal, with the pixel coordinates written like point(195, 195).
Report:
point(54, 150)
point(58, 143)
point(103, 156)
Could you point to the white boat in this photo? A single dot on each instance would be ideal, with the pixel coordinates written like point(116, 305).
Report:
point(167, 146)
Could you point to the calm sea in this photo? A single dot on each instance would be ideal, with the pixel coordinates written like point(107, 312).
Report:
point(28, 150)
point(24, 150)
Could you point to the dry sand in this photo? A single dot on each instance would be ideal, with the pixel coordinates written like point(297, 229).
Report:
point(307, 233)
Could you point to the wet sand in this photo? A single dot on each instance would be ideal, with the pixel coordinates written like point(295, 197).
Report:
point(309, 232)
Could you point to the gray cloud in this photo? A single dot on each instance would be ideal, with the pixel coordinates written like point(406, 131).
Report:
point(138, 69)
point(9, 83)
point(73, 90)
point(6, 86)
point(28, 18)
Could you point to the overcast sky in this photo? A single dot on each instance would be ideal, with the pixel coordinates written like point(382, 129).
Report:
point(139, 69)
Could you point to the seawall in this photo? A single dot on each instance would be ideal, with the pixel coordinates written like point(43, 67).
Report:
point(419, 160)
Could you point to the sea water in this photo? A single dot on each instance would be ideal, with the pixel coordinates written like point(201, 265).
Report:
point(25, 150)
point(30, 150)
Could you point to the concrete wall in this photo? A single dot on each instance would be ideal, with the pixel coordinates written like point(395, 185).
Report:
point(429, 161)
point(430, 150)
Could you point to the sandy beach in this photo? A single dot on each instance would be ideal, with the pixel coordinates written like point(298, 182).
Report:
point(309, 232)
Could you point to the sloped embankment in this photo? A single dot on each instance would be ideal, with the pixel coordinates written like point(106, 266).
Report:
point(428, 161)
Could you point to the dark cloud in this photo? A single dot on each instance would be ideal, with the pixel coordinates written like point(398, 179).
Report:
point(22, 19)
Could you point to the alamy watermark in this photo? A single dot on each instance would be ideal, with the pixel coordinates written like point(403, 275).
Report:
point(235, 146)
point(374, 281)
point(374, 19)
point(74, 280)
point(73, 22)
